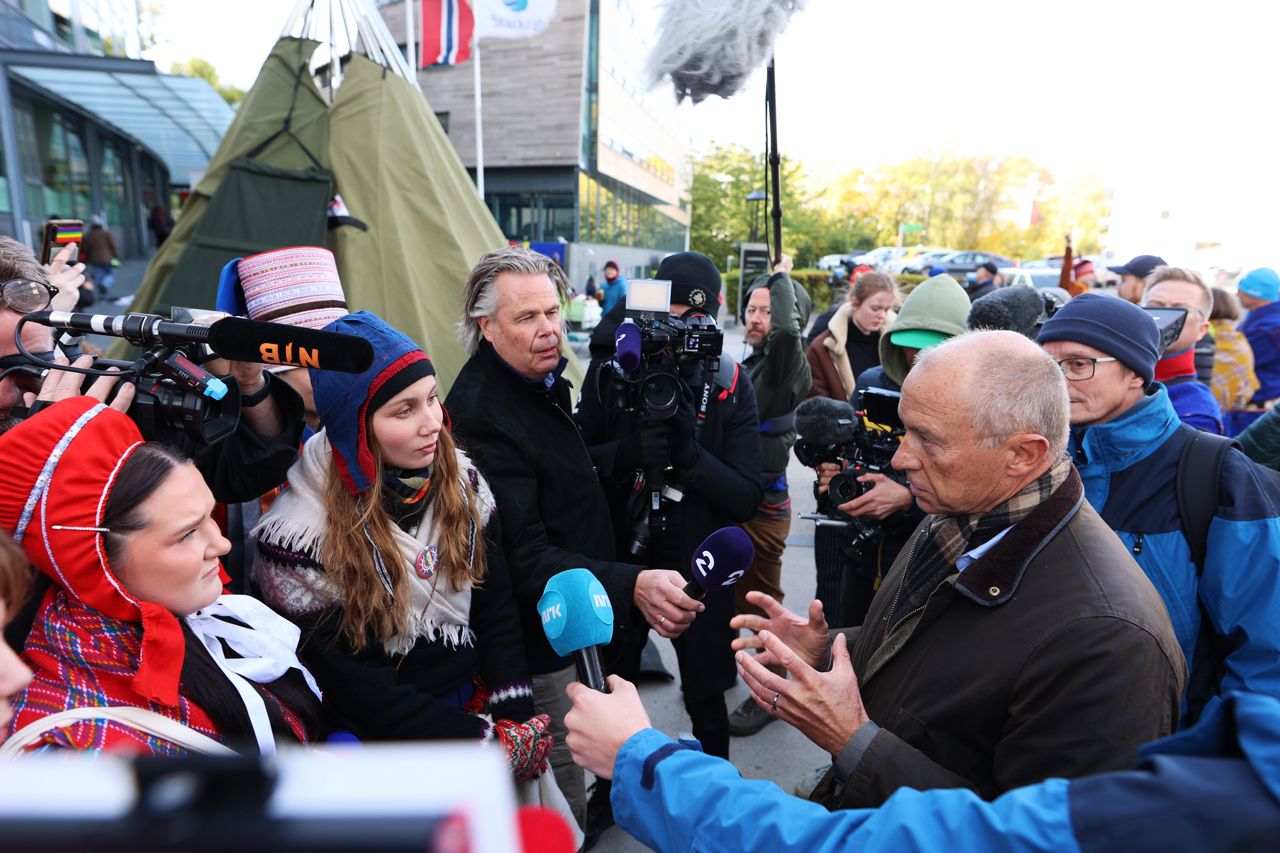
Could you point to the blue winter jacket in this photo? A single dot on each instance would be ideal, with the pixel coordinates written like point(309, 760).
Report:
point(1213, 787)
point(1129, 467)
point(1196, 406)
point(614, 292)
point(1262, 328)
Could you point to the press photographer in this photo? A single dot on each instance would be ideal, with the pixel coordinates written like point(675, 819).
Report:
point(700, 444)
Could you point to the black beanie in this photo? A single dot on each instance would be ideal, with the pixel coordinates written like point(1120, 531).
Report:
point(695, 281)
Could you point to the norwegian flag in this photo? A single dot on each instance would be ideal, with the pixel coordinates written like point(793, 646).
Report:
point(448, 29)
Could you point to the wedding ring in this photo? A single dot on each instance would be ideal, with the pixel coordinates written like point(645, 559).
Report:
point(773, 706)
point(661, 619)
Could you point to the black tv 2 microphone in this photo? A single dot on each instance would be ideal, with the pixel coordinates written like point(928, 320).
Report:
point(720, 561)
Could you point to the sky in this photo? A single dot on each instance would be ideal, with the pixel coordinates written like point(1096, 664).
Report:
point(1171, 103)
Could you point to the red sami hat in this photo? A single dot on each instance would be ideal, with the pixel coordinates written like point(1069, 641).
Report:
point(59, 468)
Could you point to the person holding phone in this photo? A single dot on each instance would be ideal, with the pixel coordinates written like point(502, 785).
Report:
point(100, 255)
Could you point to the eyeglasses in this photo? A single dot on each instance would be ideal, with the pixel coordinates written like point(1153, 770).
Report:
point(1079, 368)
point(24, 295)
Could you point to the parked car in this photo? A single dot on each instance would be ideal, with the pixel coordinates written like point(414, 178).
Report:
point(830, 262)
point(909, 257)
point(921, 264)
point(879, 258)
point(960, 263)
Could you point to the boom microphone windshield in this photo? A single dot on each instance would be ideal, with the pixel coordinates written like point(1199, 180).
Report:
point(1017, 308)
point(577, 618)
point(821, 420)
point(711, 47)
point(720, 561)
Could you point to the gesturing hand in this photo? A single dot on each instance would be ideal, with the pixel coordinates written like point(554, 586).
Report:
point(600, 723)
point(825, 706)
point(660, 596)
point(806, 637)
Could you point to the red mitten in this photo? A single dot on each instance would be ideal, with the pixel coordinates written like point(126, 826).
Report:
point(527, 744)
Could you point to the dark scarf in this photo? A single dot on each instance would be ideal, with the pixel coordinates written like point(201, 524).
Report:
point(404, 493)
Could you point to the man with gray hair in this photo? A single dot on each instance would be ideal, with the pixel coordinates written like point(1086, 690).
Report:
point(1014, 639)
point(511, 412)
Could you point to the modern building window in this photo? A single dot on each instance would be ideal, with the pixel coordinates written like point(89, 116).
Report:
point(55, 167)
point(114, 176)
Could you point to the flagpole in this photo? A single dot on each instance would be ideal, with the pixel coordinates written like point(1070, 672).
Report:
point(475, 60)
point(411, 46)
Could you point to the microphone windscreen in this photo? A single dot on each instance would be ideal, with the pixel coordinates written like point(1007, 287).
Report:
point(239, 339)
point(722, 558)
point(1016, 308)
point(818, 421)
point(627, 345)
point(575, 612)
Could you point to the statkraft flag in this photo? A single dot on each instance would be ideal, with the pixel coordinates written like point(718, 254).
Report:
point(512, 19)
point(448, 30)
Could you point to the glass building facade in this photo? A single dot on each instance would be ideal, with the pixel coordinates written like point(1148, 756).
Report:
point(87, 128)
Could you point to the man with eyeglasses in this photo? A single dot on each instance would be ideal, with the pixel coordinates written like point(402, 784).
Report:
point(1127, 442)
point(24, 287)
point(1175, 287)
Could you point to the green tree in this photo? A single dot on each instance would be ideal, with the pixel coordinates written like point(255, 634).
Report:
point(202, 68)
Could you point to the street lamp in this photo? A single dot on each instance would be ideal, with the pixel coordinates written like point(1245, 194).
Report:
point(755, 197)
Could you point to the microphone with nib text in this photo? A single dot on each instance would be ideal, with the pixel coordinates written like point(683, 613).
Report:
point(628, 345)
point(720, 561)
point(233, 338)
point(578, 618)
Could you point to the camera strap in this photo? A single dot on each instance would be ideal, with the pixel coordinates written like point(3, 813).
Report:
point(704, 403)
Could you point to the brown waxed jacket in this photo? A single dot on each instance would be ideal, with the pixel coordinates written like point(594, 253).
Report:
point(1051, 655)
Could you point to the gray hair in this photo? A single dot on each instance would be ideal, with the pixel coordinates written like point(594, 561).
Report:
point(1015, 385)
point(480, 298)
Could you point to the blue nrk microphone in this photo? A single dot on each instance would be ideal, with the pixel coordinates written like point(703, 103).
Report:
point(577, 618)
point(627, 345)
point(720, 561)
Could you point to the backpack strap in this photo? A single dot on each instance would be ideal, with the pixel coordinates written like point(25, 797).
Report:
point(1199, 473)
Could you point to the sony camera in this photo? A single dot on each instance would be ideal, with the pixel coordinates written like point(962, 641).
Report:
point(864, 440)
point(649, 348)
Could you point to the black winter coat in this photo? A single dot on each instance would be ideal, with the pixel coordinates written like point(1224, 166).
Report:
point(553, 513)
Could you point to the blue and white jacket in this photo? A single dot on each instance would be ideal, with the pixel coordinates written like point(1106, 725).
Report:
point(1129, 468)
point(1212, 787)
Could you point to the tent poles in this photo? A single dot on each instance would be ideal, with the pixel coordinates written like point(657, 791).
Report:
point(409, 34)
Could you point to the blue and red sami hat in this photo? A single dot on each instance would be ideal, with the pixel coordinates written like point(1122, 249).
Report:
point(345, 401)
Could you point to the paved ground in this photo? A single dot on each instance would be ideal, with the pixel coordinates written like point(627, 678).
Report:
point(778, 752)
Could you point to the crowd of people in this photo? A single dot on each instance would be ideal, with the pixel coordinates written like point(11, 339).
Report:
point(1066, 561)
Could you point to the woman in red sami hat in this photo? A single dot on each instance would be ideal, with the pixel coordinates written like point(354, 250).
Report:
point(134, 646)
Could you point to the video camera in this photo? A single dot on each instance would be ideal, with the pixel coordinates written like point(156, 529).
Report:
point(649, 348)
point(864, 440)
point(174, 397)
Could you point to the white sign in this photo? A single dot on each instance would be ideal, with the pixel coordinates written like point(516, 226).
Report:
point(512, 19)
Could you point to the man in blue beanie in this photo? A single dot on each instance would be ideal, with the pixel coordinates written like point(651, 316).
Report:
point(1127, 442)
point(1260, 295)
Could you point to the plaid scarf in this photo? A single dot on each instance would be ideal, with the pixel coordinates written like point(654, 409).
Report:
point(955, 534)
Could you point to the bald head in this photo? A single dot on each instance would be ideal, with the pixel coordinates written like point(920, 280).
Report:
point(1008, 384)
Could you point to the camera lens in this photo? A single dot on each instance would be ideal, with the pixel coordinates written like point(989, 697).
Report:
point(660, 395)
point(843, 488)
